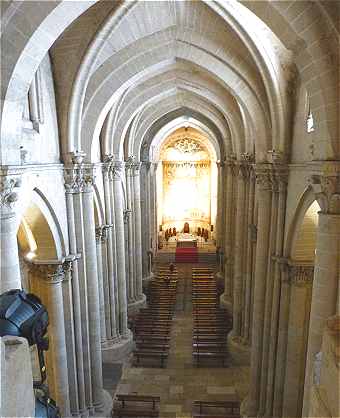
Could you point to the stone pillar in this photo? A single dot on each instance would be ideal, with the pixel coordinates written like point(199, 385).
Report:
point(239, 247)
point(109, 276)
point(301, 279)
point(227, 295)
point(129, 220)
point(326, 185)
point(117, 168)
point(51, 274)
point(138, 232)
point(269, 293)
point(73, 181)
point(282, 336)
point(282, 178)
point(78, 182)
point(70, 307)
point(264, 202)
point(90, 255)
point(99, 244)
point(220, 193)
point(9, 258)
point(249, 252)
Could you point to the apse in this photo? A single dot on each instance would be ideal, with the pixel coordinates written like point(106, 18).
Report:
point(187, 180)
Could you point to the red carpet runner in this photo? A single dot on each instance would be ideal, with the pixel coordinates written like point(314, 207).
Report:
point(186, 255)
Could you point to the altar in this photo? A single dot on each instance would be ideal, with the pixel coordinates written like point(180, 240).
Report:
point(186, 240)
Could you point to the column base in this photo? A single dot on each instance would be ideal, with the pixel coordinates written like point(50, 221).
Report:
point(239, 351)
point(146, 280)
point(135, 306)
point(105, 410)
point(117, 350)
point(226, 303)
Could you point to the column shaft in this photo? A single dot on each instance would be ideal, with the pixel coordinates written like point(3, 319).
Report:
point(93, 297)
point(138, 234)
point(325, 290)
point(282, 179)
point(75, 308)
point(264, 202)
point(120, 249)
point(249, 265)
point(238, 264)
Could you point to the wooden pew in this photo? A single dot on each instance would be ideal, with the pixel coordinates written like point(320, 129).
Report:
point(231, 407)
point(214, 355)
point(135, 410)
point(156, 355)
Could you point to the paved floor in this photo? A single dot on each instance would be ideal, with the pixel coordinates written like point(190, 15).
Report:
point(180, 383)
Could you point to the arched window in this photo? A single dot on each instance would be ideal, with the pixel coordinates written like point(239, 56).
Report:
point(310, 120)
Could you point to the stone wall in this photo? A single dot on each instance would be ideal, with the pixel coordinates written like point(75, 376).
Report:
point(16, 381)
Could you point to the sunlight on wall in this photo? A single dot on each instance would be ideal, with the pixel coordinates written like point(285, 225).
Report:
point(304, 245)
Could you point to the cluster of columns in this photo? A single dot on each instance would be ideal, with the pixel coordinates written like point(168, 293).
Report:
point(265, 291)
point(239, 244)
point(148, 215)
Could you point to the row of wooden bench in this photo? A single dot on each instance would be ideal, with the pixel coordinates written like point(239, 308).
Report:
point(134, 405)
point(211, 324)
point(152, 326)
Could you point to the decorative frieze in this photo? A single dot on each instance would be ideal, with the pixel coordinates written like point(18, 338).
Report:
point(117, 168)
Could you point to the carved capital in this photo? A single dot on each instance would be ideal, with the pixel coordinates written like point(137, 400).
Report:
point(301, 275)
point(79, 178)
point(276, 157)
point(263, 176)
point(8, 195)
point(49, 272)
point(327, 191)
point(247, 158)
point(117, 168)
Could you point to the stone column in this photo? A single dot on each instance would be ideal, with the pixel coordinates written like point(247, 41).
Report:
point(264, 203)
point(239, 256)
point(129, 191)
point(90, 255)
point(117, 168)
point(69, 306)
point(138, 232)
point(73, 186)
point(301, 279)
point(51, 274)
point(219, 221)
point(269, 293)
point(227, 295)
point(282, 336)
point(126, 214)
point(9, 258)
point(282, 178)
point(249, 265)
point(326, 185)
point(99, 244)
point(105, 232)
point(109, 277)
